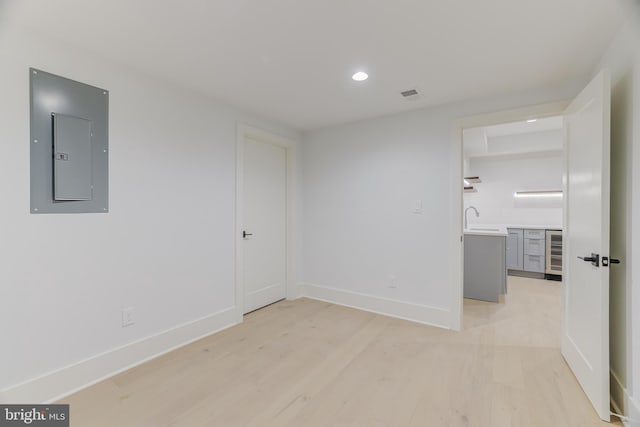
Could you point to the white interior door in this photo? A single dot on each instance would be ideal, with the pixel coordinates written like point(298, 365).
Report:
point(585, 343)
point(264, 222)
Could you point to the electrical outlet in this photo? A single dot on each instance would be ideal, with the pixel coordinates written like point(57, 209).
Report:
point(392, 281)
point(127, 317)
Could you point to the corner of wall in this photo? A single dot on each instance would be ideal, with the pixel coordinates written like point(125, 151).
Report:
point(427, 315)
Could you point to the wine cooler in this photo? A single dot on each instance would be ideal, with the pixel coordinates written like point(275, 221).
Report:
point(554, 252)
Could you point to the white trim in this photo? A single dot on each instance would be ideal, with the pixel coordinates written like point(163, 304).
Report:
point(456, 247)
point(70, 379)
point(289, 145)
point(622, 402)
point(402, 310)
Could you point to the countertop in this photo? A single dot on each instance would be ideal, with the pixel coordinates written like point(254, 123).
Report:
point(534, 227)
point(487, 230)
point(505, 226)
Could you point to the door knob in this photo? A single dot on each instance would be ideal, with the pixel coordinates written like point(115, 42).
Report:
point(594, 259)
point(245, 234)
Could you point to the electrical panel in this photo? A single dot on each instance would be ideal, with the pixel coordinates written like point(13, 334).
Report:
point(69, 145)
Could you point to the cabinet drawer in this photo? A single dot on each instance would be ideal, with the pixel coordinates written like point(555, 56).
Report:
point(534, 246)
point(534, 263)
point(534, 234)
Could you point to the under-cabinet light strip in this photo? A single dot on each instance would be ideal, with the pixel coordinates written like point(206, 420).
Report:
point(550, 193)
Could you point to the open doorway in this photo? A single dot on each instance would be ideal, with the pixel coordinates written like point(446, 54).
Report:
point(585, 248)
point(513, 214)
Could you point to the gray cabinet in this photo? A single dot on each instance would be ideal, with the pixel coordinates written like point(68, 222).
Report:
point(526, 250)
point(534, 246)
point(534, 263)
point(534, 234)
point(515, 249)
point(485, 275)
point(534, 250)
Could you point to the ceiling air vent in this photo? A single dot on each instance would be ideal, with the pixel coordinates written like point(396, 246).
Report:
point(410, 94)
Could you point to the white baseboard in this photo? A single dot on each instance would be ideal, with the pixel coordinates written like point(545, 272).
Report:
point(402, 310)
point(623, 403)
point(63, 382)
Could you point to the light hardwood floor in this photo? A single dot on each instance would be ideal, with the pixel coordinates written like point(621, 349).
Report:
point(309, 363)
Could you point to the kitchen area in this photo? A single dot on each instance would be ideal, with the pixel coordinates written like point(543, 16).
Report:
point(513, 207)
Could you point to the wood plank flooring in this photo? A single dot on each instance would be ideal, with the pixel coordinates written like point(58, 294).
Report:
point(309, 363)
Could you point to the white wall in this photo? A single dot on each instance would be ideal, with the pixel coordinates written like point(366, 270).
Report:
point(623, 58)
point(165, 248)
point(361, 182)
point(502, 176)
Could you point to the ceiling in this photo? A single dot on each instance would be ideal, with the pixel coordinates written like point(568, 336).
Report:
point(292, 60)
point(523, 137)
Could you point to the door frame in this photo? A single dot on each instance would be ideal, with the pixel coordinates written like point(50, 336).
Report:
point(457, 159)
point(246, 131)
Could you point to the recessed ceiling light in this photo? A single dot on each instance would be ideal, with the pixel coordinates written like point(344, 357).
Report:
point(531, 120)
point(360, 76)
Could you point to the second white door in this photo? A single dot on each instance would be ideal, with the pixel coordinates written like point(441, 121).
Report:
point(265, 180)
point(585, 343)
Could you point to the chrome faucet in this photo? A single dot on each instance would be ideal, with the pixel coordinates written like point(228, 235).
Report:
point(466, 221)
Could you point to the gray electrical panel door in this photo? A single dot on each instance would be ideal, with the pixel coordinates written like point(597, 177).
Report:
point(72, 158)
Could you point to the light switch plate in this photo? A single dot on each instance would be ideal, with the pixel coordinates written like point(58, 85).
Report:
point(418, 206)
point(127, 317)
